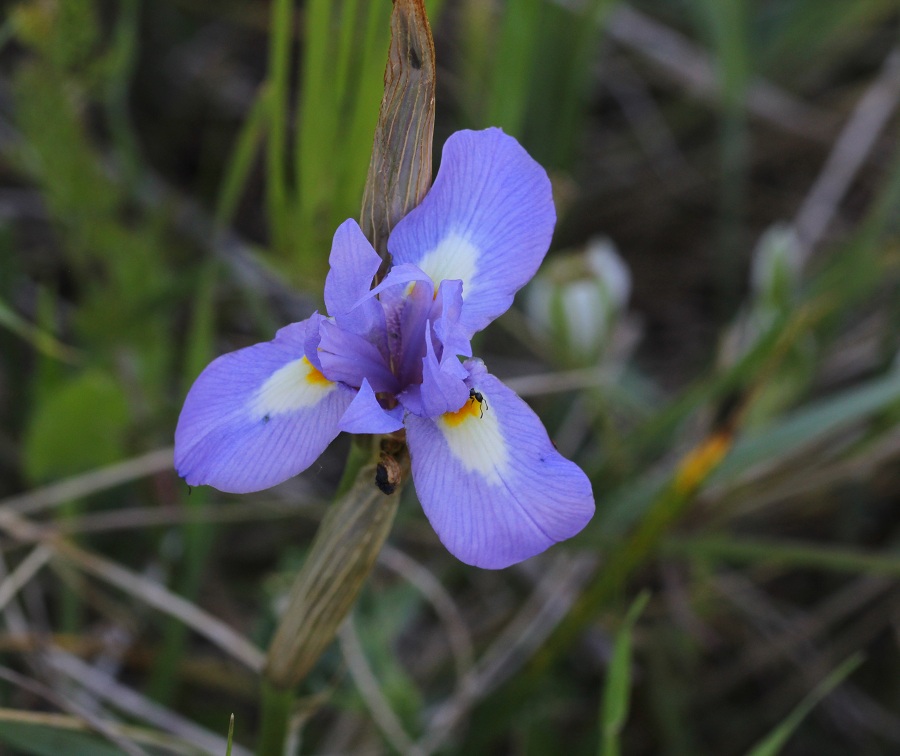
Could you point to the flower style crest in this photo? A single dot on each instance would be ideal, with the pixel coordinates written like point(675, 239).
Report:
point(490, 481)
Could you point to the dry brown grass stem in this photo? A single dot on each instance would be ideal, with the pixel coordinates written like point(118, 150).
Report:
point(63, 702)
point(91, 482)
point(850, 152)
point(26, 570)
point(155, 595)
point(440, 599)
point(557, 383)
point(678, 58)
point(370, 690)
point(65, 722)
point(131, 702)
point(550, 602)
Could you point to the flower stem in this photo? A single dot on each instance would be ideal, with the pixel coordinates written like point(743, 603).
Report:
point(276, 707)
point(361, 453)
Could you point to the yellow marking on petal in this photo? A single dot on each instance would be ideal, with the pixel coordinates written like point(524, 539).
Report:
point(478, 446)
point(472, 408)
point(292, 387)
point(314, 376)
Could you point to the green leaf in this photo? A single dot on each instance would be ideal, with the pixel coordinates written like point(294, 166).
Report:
point(202, 333)
point(510, 80)
point(775, 741)
point(41, 340)
point(787, 554)
point(617, 692)
point(812, 423)
point(44, 734)
point(48, 741)
point(66, 33)
point(81, 425)
point(240, 162)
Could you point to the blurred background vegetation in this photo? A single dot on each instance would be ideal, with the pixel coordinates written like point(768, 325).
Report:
point(713, 338)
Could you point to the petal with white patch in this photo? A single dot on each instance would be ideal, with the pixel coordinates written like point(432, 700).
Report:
point(487, 221)
point(258, 416)
point(490, 481)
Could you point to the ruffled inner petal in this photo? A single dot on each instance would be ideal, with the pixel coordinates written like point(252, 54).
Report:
point(366, 415)
point(350, 358)
point(353, 267)
point(452, 336)
point(444, 387)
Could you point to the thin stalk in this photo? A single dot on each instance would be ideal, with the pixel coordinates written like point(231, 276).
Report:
point(728, 23)
point(360, 454)
point(197, 536)
point(198, 539)
point(71, 608)
point(242, 158)
point(315, 143)
point(788, 554)
point(276, 147)
point(276, 716)
point(125, 50)
point(620, 563)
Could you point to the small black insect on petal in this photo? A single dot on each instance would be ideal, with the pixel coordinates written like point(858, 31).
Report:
point(478, 397)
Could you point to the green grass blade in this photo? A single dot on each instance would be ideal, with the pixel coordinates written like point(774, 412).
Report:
point(347, 43)
point(39, 339)
point(197, 537)
point(775, 741)
point(241, 161)
point(122, 60)
point(617, 691)
point(317, 142)
point(568, 45)
point(727, 24)
point(362, 113)
point(812, 423)
point(784, 553)
point(276, 147)
point(510, 80)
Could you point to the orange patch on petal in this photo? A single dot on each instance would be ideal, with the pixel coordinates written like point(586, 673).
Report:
point(472, 408)
point(313, 375)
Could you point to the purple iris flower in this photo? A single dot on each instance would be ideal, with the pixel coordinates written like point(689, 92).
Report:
point(490, 480)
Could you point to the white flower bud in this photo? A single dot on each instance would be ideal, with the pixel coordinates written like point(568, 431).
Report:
point(775, 267)
point(576, 300)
